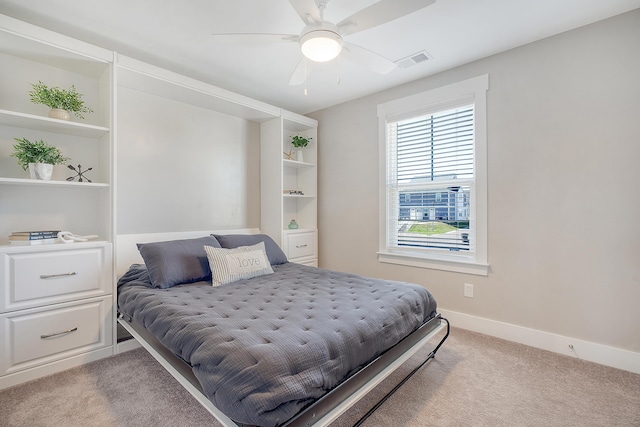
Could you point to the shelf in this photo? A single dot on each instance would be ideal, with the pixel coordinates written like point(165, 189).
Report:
point(297, 123)
point(43, 46)
point(297, 196)
point(52, 246)
point(42, 183)
point(47, 124)
point(296, 164)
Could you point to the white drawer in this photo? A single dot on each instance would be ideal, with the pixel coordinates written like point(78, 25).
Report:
point(300, 245)
point(44, 277)
point(34, 337)
point(310, 262)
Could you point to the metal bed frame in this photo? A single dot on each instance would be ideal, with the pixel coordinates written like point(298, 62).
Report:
point(330, 406)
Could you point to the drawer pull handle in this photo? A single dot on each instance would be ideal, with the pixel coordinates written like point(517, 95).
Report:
point(49, 276)
point(301, 246)
point(58, 333)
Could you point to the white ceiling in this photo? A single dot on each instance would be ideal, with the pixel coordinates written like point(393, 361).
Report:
point(177, 36)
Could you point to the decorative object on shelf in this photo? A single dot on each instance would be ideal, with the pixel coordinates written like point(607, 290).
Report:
point(79, 173)
point(41, 171)
point(293, 225)
point(69, 237)
point(69, 101)
point(38, 157)
point(299, 142)
point(22, 236)
point(289, 155)
point(34, 242)
point(294, 192)
point(60, 114)
point(30, 238)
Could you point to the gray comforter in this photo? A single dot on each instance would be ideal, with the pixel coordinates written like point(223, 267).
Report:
point(264, 348)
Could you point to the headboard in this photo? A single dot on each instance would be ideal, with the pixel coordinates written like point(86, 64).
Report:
point(127, 251)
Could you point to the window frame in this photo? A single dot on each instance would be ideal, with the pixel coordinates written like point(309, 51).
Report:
point(473, 90)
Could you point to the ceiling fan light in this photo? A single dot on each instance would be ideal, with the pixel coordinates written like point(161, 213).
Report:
point(321, 45)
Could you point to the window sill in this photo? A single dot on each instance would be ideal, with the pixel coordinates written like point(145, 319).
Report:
point(457, 265)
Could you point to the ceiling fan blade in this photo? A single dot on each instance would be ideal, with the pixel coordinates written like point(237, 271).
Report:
point(255, 38)
point(299, 74)
point(308, 11)
point(380, 13)
point(367, 58)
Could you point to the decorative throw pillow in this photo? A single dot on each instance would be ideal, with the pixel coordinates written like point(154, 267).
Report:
point(174, 262)
point(274, 253)
point(244, 262)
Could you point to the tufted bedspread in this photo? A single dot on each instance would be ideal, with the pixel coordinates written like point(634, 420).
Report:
point(264, 348)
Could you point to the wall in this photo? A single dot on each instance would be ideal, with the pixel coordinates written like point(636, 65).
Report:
point(563, 150)
point(184, 168)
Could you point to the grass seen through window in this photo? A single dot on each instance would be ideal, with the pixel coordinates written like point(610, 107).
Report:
point(431, 228)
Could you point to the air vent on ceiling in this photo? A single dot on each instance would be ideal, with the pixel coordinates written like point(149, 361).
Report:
point(414, 59)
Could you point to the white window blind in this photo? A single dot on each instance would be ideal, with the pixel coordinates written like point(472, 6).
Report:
point(430, 181)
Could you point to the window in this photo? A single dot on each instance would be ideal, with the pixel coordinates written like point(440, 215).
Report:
point(433, 178)
point(429, 156)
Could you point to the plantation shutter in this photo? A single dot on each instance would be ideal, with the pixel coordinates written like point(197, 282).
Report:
point(430, 180)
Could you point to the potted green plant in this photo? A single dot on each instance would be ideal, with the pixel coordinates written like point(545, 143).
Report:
point(299, 142)
point(38, 157)
point(61, 101)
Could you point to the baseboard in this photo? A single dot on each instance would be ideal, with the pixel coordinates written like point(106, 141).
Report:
point(36, 372)
point(127, 345)
point(585, 350)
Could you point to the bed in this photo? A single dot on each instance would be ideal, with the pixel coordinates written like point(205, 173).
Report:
point(287, 345)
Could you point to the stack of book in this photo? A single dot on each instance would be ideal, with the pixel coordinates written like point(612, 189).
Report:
point(34, 237)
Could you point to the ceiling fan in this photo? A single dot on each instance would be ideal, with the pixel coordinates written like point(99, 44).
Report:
point(322, 41)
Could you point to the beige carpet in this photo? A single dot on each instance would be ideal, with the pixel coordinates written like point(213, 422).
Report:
point(474, 380)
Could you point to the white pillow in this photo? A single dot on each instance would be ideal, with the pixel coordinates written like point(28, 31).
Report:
point(244, 262)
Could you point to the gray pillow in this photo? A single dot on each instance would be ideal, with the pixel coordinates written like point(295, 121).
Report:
point(174, 262)
point(274, 253)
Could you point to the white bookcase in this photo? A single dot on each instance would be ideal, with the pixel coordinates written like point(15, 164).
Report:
point(280, 176)
point(30, 54)
point(56, 301)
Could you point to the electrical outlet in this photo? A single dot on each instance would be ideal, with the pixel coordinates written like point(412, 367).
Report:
point(468, 290)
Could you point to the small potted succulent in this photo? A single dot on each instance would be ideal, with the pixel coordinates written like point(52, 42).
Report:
point(61, 101)
point(38, 157)
point(299, 142)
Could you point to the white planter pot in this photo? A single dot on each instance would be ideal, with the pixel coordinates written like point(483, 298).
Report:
point(41, 171)
point(59, 114)
point(299, 156)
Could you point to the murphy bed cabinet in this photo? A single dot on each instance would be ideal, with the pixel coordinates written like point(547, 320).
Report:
point(277, 175)
point(57, 301)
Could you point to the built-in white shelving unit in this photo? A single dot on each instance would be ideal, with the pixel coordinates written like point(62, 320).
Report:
point(56, 300)
point(279, 176)
point(30, 54)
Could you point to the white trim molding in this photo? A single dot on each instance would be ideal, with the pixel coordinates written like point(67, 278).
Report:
point(454, 265)
point(584, 350)
point(475, 90)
